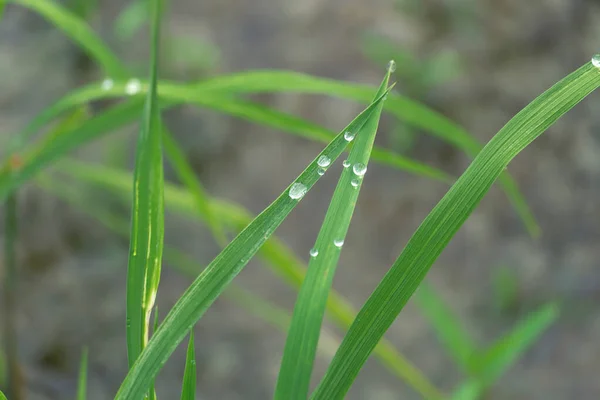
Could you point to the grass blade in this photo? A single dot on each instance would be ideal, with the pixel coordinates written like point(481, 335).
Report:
point(438, 228)
point(2, 396)
point(455, 339)
point(187, 176)
point(82, 383)
point(303, 336)
point(277, 255)
point(213, 280)
point(76, 28)
point(188, 390)
point(147, 224)
point(500, 356)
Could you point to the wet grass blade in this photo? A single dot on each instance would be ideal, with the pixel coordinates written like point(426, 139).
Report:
point(500, 356)
point(274, 252)
point(438, 228)
point(82, 383)
point(147, 224)
point(214, 279)
point(447, 327)
point(188, 390)
point(301, 344)
point(76, 28)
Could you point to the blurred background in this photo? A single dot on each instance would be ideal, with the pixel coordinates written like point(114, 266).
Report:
point(476, 62)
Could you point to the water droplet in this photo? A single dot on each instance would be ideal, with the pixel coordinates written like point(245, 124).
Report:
point(391, 66)
point(359, 169)
point(349, 136)
point(338, 243)
point(107, 84)
point(133, 86)
point(297, 191)
point(354, 182)
point(314, 252)
point(321, 171)
point(596, 60)
point(346, 163)
point(324, 161)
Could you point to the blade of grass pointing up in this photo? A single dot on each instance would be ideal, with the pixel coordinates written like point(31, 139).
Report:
point(214, 279)
point(82, 384)
point(438, 228)
point(280, 258)
point(2, 396)
point(188, 390)
point(147, 226)
point(303, 336)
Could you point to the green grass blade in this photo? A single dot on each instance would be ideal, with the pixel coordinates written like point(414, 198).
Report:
point(213, 280)
point(188, 390)
point(152, 391)
point(469, 390)
point(172, 94)
point(455, 339)
point(82, 383)
point(75, 28)
point(2, 7)
point(2, 396)
point(277, 255)
point(147, 224)
point(301, 344)
point(438, 228)
point(186, 175)
point(403, 108)
point(500, 356)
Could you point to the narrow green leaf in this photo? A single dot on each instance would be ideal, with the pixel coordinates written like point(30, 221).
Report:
point(131, 19)
point(213, 280)
point(500, 356)
point(438, 228)
point(83, 366)
point(301, 344)
point(187, 176)
point(469, 390)
point(2, 396)
point(147, 224)
point(188, 390)
point(447, 327)
point(75, 28)
point(2, 7)
point(277, 255)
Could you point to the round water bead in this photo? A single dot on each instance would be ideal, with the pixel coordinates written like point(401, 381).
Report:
point(297, 191)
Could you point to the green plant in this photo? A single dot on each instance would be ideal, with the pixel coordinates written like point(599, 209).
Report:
point(148, 351)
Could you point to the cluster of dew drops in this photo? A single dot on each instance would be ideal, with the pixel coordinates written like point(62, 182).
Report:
point(132, 87)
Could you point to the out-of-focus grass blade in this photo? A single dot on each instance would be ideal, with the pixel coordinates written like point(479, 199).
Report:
point(115, 117)
point(77, 30)
point(147, 223)
point(188, 389)
point(447, 326)
point(278, 256)
point(438, 228)
point(172, 94)
point(186, 175)
point(2, 396)
point(214, 279)
point(469, 390)
point(82, 384)
point(2, 7)
point(131, 19)
point(301, 344)
point(500, 356)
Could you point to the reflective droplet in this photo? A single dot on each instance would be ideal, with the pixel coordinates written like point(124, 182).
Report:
point(314, 252)
point(297, 191)
point(349, 136)
point(354, 182)
point(391, 66)
point(107, 84)
point(359, 169)
point(321, 171)
point(133, 86)
point(338, 243)
point(346, 163)
point(324, 161)
point(596, 60)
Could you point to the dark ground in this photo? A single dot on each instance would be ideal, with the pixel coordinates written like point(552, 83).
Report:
point(72, 293)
